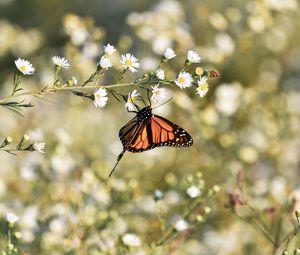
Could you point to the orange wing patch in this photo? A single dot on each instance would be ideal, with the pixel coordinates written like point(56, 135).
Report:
point(163, 124)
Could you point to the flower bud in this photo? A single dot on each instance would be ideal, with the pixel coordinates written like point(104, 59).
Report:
point(207, 210)
point(9, 139)
point(26, 137)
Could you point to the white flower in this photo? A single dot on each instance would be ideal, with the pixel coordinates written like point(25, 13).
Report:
point(181, 225)
point(59, 61)
point(131, 240)
point(193, 191)
point(74, 80)
point(160, 74)
point(184, 80)
point(39, 147)
point(132, 97)
point(24, 66)
point(193, 57)
point(100, 97)
point(129, 61)
point(12, 218)
point(158, 94)
point(105, 62)
point(109, 49)
point(202, 87)
point(169, 54)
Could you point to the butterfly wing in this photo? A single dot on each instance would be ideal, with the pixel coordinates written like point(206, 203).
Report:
point(158, 131)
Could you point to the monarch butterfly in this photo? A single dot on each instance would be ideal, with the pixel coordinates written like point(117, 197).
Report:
point(147, 131)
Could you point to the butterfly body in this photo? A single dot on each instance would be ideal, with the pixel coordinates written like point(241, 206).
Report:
point(147, 131)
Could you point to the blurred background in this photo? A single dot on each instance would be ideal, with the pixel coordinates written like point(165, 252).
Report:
point(249, 120)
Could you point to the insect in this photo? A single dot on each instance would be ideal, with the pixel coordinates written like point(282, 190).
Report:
point(147, 131)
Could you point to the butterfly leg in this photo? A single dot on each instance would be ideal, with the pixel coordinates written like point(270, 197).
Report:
point(118, 160)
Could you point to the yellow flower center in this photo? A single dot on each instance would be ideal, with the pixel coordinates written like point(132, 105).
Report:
point(128, 62)
point(199, 71)
point(203, 86)
point(181, 79)
point(23, 68)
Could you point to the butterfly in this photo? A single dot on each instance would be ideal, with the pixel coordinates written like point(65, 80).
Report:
point(147, 131)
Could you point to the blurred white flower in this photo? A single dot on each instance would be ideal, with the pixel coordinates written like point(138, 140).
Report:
point(193, 191)
point(181, 225)
point(105, 62)
point(12, 218)
point(160, 74)
point(202, 87)
point(131, 240)
point(59, 61)
point(184, 80)
point(24, 66)
point(39, 147)
point(169, 54)
point(132, 97)
point(100, 97)
point(129, 61)
point(193, 57)
point(228, 98)
point(158, 94)
point(109, 49)
point(74, 80)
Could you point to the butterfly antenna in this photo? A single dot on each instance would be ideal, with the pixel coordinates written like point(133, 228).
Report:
point(118, 160)
point(162, 103)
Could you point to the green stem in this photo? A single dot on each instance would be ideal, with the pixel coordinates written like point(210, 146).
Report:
point(53, 90)
point(17, 77)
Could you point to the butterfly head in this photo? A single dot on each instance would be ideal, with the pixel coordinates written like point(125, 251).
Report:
point(145, 113)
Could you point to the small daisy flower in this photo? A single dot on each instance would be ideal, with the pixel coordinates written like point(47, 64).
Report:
point(158, 94)
point(39, 147)
point(202, 87)
point(12, 218)
point(131, 240)
point(199, 71)
point(109, 49)
point(61, 62)
point(169, 53)
point(193, 57)
point(129, 61)
point(100, 97)
point(160, 74)
point(132, 97)
point(24, 66)
point(193, 191)
point(181, 225)
point(105, 62)
point(184, 80)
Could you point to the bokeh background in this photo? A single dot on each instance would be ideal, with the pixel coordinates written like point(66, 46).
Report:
point(249, 120)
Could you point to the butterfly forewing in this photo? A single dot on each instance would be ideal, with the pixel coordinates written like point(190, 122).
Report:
point(158, 131)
